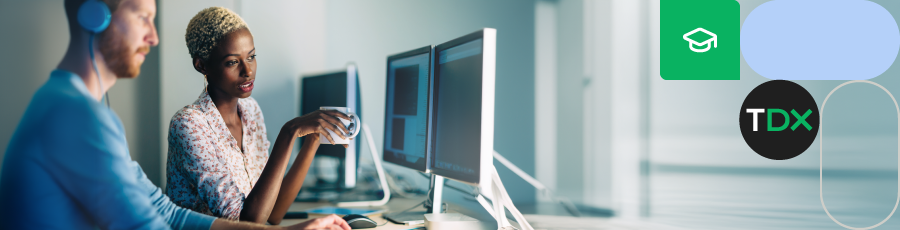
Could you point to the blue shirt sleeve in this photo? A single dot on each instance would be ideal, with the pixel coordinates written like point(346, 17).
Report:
point(177, 217)
point(92, 164)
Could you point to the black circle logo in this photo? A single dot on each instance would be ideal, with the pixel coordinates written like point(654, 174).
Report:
point(779, 119)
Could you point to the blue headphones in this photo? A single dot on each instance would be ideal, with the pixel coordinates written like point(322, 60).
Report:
point(94, 16)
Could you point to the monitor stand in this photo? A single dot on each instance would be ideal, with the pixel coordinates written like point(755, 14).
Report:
point(568, 205)
point(381, 176)
point(431, 204)
point(436, 219)
point(497, 209)
point(410, 218)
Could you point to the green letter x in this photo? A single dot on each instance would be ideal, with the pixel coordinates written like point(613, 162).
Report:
point(801, 120)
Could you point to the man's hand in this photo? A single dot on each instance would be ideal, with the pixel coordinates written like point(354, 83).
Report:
point(331, 222)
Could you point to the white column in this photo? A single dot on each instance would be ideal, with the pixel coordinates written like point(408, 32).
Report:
point(613, 104)
point(597, 104)
point(627, 52)
point(545, 108)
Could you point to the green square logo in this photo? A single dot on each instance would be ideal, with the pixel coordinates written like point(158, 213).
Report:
point(700, 40)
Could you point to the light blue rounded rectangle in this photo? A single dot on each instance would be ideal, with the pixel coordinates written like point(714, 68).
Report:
point(820, 39)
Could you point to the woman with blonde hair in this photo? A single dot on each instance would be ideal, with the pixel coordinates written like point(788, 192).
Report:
point(218, 161)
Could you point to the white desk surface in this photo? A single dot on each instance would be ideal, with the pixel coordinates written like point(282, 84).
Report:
point(396, 204)
point(536, 221)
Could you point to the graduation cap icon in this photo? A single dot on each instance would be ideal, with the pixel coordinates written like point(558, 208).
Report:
point(692, 43)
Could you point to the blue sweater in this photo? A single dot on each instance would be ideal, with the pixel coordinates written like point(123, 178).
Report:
point(68, 167)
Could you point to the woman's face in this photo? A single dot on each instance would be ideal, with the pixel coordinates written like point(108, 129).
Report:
point(231, 67)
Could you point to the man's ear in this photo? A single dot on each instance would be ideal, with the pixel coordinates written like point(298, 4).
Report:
point(199, 66)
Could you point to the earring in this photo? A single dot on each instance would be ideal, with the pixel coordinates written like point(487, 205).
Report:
point(205, 84)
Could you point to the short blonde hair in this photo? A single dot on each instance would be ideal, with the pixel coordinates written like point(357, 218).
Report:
point(208, 27)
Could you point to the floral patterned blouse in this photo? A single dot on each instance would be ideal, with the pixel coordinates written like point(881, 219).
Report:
point(206, 170)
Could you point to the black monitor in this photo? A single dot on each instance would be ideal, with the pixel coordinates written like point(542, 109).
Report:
point(406, 108)
point(337, 88)
point(462, 115)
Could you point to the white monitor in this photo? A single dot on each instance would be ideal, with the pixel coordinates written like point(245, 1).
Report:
point(461, 121)
point(462, 115)
point(406, 109)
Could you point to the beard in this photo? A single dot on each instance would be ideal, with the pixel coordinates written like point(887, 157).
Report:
point(117, 54)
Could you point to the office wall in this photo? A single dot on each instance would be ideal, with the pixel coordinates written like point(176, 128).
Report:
point(36, 37)
point(366, 32)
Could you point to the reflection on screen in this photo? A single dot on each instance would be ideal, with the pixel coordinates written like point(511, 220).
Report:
point(457, 112)
point(406, 112)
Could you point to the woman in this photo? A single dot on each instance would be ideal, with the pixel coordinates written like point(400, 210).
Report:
point(218, 151)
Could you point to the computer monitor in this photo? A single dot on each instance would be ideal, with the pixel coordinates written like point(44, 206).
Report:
point(463, 108)
point(336, 88)
point(406, 109)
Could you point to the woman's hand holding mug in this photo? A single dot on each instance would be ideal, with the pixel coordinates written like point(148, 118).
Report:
point(350, 121)
point(327, 124)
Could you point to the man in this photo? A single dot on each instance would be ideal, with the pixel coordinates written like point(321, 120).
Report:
point(68, 166)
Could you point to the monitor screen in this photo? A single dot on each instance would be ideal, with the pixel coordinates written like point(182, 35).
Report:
point(457, 111)
point(406, 109)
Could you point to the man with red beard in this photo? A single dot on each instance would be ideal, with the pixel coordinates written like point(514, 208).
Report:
point(68, 166)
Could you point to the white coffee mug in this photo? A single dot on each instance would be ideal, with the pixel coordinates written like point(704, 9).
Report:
point(353, 125)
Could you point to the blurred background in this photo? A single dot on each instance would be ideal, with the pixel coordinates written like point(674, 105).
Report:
point(579, 104)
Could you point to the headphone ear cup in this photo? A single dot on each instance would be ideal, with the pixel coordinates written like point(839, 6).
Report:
point(94, 16)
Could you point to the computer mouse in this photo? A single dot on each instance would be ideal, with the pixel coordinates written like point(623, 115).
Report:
point(357, 221)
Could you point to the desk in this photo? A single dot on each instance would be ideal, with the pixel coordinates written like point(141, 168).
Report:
point(536, 221)
point(396, 204)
